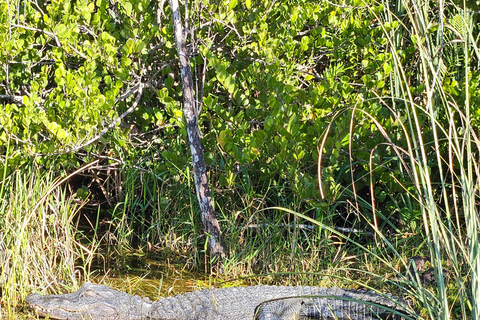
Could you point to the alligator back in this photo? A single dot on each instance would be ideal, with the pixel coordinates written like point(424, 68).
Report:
point(273, 302)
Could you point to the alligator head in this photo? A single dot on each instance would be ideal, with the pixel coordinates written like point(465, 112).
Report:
point(90, 302)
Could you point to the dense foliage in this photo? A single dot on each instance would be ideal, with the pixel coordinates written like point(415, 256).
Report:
point(276, 83)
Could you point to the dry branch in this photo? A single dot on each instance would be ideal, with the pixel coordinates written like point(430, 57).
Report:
point(209, 220)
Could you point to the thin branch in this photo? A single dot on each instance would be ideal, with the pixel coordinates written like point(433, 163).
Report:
point(77, 52)
point(16, 99)
point(50, 34)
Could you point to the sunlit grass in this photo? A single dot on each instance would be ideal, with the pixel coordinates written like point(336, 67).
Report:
point(41, 249)
point(449, 240)
point(438, 133)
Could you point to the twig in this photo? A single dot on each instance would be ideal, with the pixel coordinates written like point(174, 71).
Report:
point(77, 52)
point(127, 94)
point(50, 34)
point(16, 99)
point(344, 5)
point(308, 227)
point(155, 48)
point(119, 161)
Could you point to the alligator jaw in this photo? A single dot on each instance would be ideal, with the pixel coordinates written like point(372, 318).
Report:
point(90, 302)
point(62, 312)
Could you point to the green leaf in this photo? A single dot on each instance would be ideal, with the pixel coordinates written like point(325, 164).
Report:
point(61, 29)
point(230, 84)
point(162, 94)
point(223, 137)
point(387, 68)
point(208, 101)
point(129, 46)
point(269, 122)
point(291, 124)
point(304, 43)
point(128, 8)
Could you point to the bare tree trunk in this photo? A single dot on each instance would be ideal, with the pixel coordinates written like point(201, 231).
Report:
point(209, 220)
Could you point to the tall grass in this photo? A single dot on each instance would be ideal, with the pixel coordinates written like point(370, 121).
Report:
point(39, 240)
point(451, 220)
point(438, 133)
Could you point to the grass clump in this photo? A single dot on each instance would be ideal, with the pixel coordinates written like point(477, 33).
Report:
point(39, 241)
point(436, 147)
point(447, 198)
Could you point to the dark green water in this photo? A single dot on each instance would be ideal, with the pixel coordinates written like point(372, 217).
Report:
point(151, 275)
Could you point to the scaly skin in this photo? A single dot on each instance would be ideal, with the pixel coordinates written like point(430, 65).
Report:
point(242, 303)
point(90, 302)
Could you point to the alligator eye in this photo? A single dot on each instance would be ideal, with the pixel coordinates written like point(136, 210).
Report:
point(90, 293)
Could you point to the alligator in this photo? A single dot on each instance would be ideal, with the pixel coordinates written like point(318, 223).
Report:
point(100, 302)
